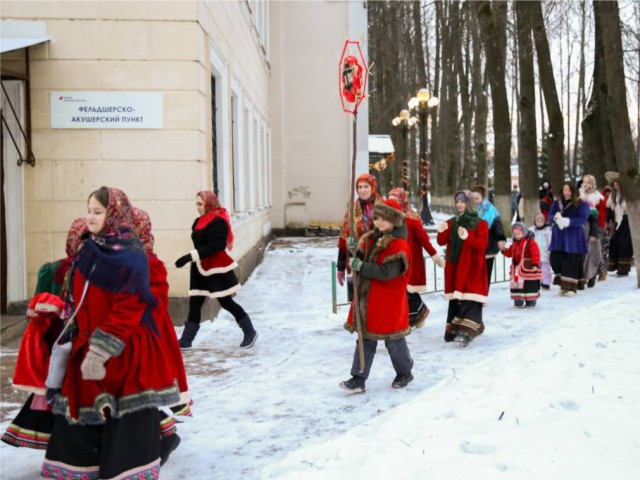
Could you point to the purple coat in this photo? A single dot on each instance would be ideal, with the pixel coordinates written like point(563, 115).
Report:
point(570, 239)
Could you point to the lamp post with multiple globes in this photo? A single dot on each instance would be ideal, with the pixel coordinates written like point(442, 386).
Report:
point(422, 104)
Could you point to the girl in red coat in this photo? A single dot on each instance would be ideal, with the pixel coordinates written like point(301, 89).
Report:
point(466, 284)
point(382, 263)
point(367, 190)
point(32, 426)
point(106, 423)
point(417, 239)
point(211, 274)
point(525, 266)
point(160, 288)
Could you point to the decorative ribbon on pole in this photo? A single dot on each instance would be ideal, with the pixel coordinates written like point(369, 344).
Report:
point(352, 82)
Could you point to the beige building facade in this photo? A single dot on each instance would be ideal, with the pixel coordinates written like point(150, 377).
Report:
point(240, 97)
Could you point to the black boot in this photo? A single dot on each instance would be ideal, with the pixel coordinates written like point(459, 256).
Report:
point(188, 334)
point(250, 335)
point(168, 445)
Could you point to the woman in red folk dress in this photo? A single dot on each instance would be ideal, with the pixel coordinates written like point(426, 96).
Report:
point(106, 423)
point(212, 268)
point(160, 288)
point(32, 426)
point(418, 240)
point(382, 263)
point(367, 190)
point(466, 284)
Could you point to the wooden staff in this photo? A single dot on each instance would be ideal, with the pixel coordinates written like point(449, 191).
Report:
point(356, 309)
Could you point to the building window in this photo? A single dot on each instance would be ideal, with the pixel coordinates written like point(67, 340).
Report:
point(236, 155)
point(220, 128)
point(259, 18)
point(214, 136)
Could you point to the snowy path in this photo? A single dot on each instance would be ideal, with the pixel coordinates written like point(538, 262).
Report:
point(566, 375)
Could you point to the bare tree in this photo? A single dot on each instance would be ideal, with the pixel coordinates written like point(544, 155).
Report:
point(555, 137)
point(580, 99)
point(492, 20)
point(481, 108)
point(527, 156)
point(626, 157)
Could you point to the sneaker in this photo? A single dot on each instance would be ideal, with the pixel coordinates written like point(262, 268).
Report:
point(354, 385)
point(569, 293)
point(462, 340)
point(402, 380)
point(417, 320)
point(518, 303)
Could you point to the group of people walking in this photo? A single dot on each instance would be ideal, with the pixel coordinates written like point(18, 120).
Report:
point(100, 355)
point(572, 242)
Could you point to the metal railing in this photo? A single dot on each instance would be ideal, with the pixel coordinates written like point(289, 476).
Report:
point(435, 279)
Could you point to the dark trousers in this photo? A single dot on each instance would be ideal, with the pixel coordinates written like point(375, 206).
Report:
point(398, 352)
point(227, 303)
point(131, 442)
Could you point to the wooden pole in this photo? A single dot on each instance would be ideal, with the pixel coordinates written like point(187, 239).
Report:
point(355, 305)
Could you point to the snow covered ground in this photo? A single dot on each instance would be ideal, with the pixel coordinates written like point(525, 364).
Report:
point(551, 392)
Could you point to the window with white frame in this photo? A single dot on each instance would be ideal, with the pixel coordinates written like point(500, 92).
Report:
point(219, 127)
point(237, 144)
point(259, 18)
point(249, 157)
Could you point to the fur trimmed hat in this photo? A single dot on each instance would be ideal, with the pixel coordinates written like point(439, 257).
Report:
point(391, 211)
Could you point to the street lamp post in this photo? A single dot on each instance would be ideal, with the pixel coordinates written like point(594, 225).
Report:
point(422, 104)
point(405, 122)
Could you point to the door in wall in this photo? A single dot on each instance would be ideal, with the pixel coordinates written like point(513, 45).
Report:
point(13, 271)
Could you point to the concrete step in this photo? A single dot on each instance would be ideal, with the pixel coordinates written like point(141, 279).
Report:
point(11, 329)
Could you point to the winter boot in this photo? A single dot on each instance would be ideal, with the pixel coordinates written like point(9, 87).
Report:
point(592, 282)
point(544, 287)
point(602, 277)
point(530, 303)
point(354, 385)
point(250, 335)
point(402, 380)
point(461, 340)
point(518, 303)
point(168, 445)
point(417, 320)
point(188, 334)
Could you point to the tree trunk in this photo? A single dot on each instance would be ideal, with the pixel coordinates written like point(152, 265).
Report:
point(596, 132)
point(493, 31)
point(527, 109)
point(481, 104)
point(577, 150)
point(462, 56)
point(555, 137)
point(625, 154)
point(435, 154)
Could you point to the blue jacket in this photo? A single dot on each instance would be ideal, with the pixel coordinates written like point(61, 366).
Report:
point(571, 239)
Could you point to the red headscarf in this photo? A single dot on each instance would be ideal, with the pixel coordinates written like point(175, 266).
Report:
point(402, 196)
point(371, 180)
point(213, 209)
point(74, 237)
point(142, 226)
